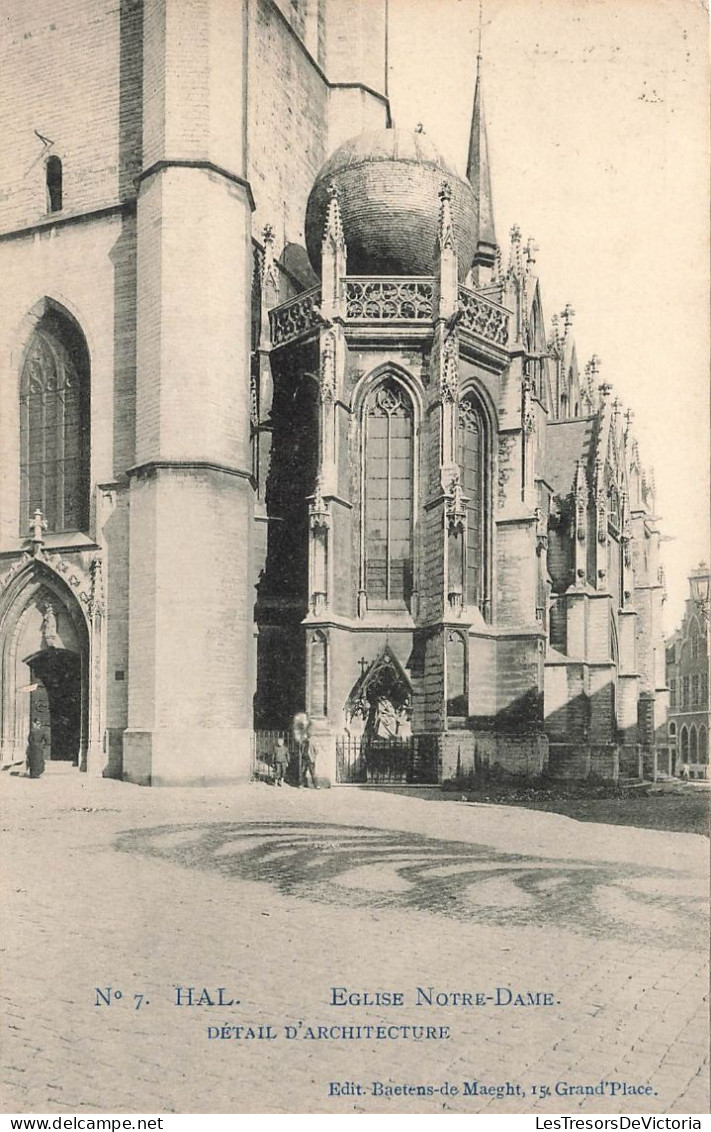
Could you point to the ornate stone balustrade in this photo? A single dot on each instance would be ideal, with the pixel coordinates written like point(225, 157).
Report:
point(294, 318)
point(389, 299)
point(483, 317)
point(394, 298)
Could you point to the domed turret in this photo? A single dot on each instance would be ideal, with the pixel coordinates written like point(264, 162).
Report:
point(388, 183)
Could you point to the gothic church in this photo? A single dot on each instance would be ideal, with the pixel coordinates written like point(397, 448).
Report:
point(283, 426)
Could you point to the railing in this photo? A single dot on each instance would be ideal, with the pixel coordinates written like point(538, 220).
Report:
point(484, 317)
point(386, 761)
point(296, 317)
point(389, 299)
point(263, 746)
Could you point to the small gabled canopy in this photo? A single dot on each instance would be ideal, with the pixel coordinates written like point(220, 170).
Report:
point(385, 677)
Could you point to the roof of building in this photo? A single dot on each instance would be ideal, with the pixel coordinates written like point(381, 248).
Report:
point(567, 442)
point(388, 183)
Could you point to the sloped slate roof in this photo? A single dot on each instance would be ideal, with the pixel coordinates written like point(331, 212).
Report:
point(566, 443)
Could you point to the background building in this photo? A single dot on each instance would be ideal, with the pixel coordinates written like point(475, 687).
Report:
point(688, 680)
point(283, 428)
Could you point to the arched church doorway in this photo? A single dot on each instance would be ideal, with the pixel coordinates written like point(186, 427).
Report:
point(55, 700)
point(44, 668)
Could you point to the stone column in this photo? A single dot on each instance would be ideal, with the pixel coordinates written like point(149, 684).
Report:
point(191, 665)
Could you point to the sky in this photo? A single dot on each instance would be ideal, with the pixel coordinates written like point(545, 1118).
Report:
point(598, 124)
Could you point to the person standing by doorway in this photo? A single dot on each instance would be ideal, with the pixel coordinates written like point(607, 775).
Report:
point(308, 762)
point(305, 750)
point(281, 761)
point(35, 750)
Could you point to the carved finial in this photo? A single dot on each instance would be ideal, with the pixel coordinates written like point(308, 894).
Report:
point(593, 366)
point(555, 337)
point(419, 128)
point(38, 526)
point(97, 586)
point(530, 251)
point(333, 229)
point(616, 407)
point(605, 389)
point(270, 271)
point(567, 314)
point(445, 230)
point(629, 417)
point(498, 266)
point(319, 511)
point(635, 453)
point(515, 258)
point(328, 367)
point(449, 372)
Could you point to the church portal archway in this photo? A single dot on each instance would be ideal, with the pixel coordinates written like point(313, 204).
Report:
point(44, 668)
point(56, 700)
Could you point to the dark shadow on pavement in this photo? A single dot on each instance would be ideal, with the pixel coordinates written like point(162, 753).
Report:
point(374, 868)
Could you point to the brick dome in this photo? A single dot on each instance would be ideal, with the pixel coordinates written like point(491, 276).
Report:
point(388, 182)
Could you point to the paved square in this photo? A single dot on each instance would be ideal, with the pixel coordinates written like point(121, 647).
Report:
point(586, 945)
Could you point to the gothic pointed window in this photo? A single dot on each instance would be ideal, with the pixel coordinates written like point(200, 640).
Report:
point(54, 426)
point(471, 457)
point(53, 174)
point(388, 495)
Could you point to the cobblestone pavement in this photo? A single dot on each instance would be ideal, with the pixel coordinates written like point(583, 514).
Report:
point(280, 895)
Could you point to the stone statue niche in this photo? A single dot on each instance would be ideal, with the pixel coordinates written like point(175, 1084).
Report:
point(380, 703)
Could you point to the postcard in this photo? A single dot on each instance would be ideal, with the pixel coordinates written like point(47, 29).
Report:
point(354, 597)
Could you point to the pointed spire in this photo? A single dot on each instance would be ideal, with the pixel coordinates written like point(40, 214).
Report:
point(515, 256)
point(333, 258)
point(479, 174)
point(270, 270)
point(446, 272)
point(333, 228)
point(568, 314)
point(445, 228)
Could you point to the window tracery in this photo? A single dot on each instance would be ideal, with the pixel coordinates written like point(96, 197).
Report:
point(388, 459)
point(54, 427)
point(471, 455)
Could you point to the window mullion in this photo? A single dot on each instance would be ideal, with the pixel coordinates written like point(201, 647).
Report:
point(387, 506)
point(59, 440)
point(43, 449)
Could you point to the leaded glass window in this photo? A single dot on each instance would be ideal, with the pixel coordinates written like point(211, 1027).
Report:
point(388, 494)
point(470, 457)
point(54, 427)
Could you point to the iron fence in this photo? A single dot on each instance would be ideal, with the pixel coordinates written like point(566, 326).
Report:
point(386, 761)
point(413, 760)
point(263, 745)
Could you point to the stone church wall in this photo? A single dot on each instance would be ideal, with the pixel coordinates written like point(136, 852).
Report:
point(79, 64)
point(287, 125)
